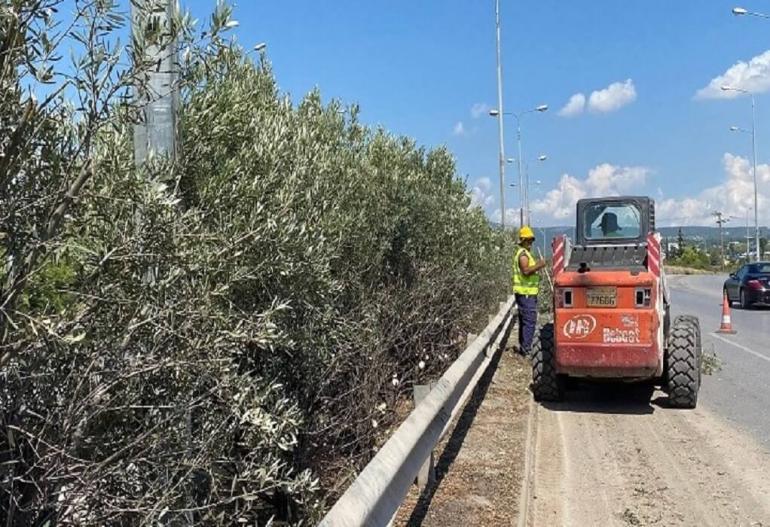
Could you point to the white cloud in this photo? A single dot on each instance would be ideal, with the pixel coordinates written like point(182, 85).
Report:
point(753, 76)
point(732, 197)
point(609, 180)
point(602, 180)
point(574, 106)
point(459, 129)
point(485, 183)
point(511, 217)
point(613, 97)
point(481, 194)
point(610, 99)
point(479, 109)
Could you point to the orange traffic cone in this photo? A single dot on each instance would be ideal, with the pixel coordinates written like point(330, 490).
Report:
point(727, 323)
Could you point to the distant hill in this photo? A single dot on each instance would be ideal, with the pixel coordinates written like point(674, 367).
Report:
point(733, 232)
point(708, 235)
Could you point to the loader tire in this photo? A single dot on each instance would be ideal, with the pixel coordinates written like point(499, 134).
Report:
point(546, 384)
point(683, 363)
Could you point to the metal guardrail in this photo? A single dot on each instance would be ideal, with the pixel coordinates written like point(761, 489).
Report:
point(376, 494)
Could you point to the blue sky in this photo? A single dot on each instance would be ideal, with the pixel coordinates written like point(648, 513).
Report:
point(419, 67)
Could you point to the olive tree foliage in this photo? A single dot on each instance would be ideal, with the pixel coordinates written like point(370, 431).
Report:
point(124, 397)
point(369, 240)
point(226, 338)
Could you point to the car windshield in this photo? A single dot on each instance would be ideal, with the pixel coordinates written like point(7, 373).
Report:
point(611, 221)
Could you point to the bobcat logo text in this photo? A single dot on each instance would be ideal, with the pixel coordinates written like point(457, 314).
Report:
point(579, 327)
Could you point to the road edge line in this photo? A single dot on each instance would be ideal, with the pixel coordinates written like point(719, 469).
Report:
point(529, 465)
point(741, 347)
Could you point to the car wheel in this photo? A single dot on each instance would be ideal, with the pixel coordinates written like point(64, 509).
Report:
point(745, 304)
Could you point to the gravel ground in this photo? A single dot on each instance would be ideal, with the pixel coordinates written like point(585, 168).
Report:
point(608, 456)
point(479, 463)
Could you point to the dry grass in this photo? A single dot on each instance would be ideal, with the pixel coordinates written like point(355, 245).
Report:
point(675, 269)
point(478, 466)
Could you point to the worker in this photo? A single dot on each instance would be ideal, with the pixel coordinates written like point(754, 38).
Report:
point(609, 225)
point(526, 284)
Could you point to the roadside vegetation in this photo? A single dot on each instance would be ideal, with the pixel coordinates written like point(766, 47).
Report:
point(696, 256)
point(224, 339)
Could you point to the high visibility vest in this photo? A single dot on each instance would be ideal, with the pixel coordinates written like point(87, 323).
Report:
point(524, 284)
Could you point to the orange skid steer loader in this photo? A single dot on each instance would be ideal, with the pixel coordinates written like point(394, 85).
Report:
point(611, 308)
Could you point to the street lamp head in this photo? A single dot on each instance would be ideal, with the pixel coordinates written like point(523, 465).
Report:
point(735, 129)
point(542, 108)
point(511, 160)
point(494, 112)
point(737, 11)
point(543, 157)
point(260, 47)
point(733, 88)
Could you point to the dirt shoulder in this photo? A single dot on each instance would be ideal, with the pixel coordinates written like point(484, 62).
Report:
point(607, 457)
point(479, 463)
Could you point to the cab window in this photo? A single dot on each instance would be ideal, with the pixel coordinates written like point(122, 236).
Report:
point(612, 221)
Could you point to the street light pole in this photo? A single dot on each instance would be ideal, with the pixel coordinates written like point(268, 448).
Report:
point(748, 238)
point(754, 154)
point(525, 190)
point(500, 117)
point(521, 178)
point(754, 157)
point(495, 112)
point(527, 187)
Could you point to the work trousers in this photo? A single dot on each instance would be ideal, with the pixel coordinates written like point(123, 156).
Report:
point(527, 305)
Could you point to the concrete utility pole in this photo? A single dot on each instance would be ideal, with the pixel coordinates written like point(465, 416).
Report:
point(157, 134)
point(721, 220)
point(501, 161)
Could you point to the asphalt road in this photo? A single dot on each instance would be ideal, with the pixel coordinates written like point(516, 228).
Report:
point(740, 391)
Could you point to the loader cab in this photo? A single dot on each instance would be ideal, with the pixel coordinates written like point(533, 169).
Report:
point(611, 233)
point(614, 221)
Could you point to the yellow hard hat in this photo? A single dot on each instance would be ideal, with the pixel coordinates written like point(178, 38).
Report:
point(525, 233)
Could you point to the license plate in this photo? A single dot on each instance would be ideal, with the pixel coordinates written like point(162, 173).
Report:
point(602, 297)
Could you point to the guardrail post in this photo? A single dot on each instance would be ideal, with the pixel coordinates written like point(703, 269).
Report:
point(427, 474)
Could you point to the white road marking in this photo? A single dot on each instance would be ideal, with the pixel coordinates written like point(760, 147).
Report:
point(742, 347)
